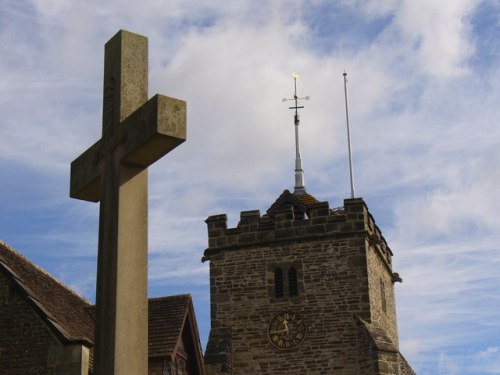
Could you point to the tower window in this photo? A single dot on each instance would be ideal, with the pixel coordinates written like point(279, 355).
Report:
point(292, 281)
point(284, 280)
point(278, 283)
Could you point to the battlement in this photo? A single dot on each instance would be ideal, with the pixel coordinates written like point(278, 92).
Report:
point(286, 223)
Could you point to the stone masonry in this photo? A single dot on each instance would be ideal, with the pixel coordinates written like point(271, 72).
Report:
point(345, 291)
point(28, 346)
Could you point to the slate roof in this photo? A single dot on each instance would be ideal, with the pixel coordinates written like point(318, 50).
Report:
point(65, 312)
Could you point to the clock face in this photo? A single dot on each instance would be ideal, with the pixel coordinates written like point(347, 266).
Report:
point(286, 330)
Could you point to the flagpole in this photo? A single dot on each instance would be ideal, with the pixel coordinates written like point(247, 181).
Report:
point(348, 135)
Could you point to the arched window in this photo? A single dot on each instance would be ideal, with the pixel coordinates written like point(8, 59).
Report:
point(278, 283)
point(292, 281)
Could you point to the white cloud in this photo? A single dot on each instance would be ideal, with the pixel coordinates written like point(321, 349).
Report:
point(424, 129)
point(438, 33)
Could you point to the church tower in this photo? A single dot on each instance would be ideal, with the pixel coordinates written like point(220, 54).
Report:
point(302, 289)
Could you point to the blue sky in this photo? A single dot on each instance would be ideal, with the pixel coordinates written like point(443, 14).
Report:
point(425, 125)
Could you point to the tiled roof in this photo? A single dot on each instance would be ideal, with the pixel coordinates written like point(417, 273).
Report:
point(306, 198)
point(64, 311)
point(300, 202)
point(167, 316)
point(72, 317)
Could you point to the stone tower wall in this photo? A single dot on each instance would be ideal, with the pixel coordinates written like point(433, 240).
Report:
point(381, 281)
point(331, 251)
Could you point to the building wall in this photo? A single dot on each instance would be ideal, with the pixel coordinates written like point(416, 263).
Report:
point(325, 302)
point(26, 344)
point(338, 270)
point(381, 282)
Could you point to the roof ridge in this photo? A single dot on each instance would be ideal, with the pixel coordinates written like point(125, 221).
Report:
point(41, 270)
point(184, 295)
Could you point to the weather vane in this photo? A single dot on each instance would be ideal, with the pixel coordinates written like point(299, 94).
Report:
point(299, 172)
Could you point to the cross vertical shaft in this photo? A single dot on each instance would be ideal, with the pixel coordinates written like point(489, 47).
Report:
point(136, 133)
point(121, 326)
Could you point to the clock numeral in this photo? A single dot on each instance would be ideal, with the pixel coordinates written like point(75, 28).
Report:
point(286, 330)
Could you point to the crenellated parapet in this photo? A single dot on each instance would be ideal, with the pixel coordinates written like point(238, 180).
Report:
point(293, 221)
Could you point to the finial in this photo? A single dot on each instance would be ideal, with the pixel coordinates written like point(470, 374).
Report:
point(299, 172)
point(348, 135)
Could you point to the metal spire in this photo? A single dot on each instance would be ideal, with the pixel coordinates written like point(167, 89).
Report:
point(348, 135)
point(299, 172)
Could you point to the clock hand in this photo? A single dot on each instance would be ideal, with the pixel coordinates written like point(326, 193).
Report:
point(285, 330)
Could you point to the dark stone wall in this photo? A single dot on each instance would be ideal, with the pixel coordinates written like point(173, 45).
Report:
point(27, 345)
point(25, 341)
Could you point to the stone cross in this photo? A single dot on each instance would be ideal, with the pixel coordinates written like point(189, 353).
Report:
point(135, 133)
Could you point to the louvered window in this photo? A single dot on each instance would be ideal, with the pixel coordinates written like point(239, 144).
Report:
point(292, 281)
point(278, 283)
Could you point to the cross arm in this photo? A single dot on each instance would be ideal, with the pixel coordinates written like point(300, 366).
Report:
point(145, 136)
point(85, 179)
point(153, 130)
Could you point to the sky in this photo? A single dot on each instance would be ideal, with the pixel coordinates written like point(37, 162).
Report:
point(424, 111)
